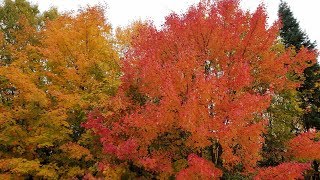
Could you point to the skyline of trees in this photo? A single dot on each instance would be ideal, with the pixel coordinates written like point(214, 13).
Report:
point(215, 93)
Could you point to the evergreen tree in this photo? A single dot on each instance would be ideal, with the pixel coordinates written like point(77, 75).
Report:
point(309, 93)
point(291, 33)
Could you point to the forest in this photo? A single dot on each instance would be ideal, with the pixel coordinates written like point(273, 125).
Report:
point(214, 93)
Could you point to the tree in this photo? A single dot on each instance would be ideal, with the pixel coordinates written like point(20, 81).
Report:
point(82, 73)
point(292, 111)
point(59, 69)
point(202, 82)
point(18, 20)
point(309, 93)
point(21, 100)
point(290, 32)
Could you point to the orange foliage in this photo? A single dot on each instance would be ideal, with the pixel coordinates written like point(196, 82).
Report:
point(53, 74)
point(82, 66)
point(199, 169)
point(283, 171)
point(210, 74)
point(305, 146)
point(74, 150)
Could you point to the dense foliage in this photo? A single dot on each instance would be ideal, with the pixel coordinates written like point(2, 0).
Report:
point(212, 94)
point(53, 71)
point(201, 85)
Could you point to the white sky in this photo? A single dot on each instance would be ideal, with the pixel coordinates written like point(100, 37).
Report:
point(122, 12)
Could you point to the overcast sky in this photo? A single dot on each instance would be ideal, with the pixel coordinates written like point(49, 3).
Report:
point(122, 12)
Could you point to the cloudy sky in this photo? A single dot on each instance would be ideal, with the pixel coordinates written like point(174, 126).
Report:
point(122, 12)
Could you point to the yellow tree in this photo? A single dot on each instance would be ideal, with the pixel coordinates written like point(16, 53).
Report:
point(49, 86)
point(22, 103)
point(81, 72)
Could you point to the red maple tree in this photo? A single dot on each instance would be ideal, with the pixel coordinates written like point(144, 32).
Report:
point(206, 77)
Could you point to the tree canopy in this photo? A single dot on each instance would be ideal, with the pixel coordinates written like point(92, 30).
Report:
point(203, 81)
point(209, 95)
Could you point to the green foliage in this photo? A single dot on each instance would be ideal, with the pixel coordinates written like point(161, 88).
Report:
point(284, 121)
